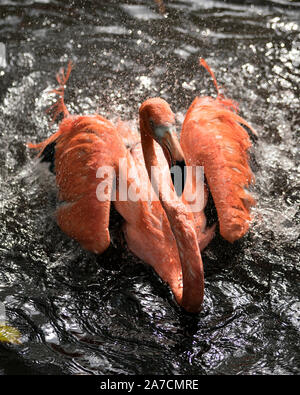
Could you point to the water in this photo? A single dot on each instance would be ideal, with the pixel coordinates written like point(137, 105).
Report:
point(83, 314)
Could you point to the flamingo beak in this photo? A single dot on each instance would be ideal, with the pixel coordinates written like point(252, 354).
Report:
point(174, 154)
point(166, 136)
point(170, 142)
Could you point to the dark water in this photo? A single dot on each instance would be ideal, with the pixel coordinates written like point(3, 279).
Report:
point(79, 313)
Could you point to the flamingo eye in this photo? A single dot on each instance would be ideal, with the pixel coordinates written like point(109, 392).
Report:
point(152, 125)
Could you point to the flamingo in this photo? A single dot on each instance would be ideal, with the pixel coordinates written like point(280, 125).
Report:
point(160, 232)
point(212, 137)
point(164, 233)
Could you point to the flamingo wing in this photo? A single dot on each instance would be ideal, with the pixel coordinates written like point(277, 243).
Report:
point(212, 137)
point(84, 145)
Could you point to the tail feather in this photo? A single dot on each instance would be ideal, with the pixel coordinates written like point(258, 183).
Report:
point(203, 63)
point(57, 108)
point(224, 101)
point(60, 107)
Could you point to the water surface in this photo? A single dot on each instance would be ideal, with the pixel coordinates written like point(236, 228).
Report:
point(83, 314)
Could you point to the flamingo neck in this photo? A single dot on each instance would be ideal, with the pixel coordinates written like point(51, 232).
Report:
point(181, 220)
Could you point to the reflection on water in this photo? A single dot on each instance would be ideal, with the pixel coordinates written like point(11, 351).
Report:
point(79, 313)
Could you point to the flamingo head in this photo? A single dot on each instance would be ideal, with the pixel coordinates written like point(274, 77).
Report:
point(159, 123)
